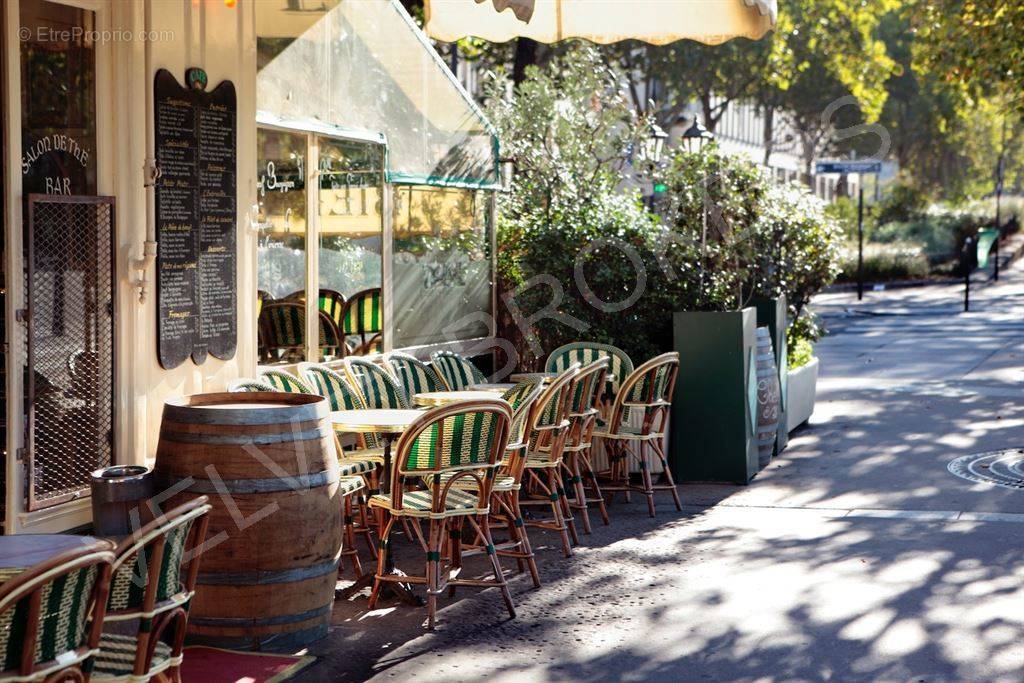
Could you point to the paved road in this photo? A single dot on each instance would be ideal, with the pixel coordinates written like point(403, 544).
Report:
point(856, 556)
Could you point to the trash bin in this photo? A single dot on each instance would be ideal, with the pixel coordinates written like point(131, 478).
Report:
point(115, 491)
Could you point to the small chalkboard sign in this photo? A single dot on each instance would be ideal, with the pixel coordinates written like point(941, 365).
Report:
point(196, 191)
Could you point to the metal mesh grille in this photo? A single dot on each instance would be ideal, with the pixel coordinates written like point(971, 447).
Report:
point(69, 337)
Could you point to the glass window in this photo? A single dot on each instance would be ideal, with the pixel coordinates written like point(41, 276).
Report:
point(281, 253)
point(58, 99)
point(365, 67)
point(442, 265)
point(351, 232)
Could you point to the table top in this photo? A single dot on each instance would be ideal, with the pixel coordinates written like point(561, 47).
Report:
point(543, 376)
point(374, 420)
point(443, 398)
point(492, 386)
point(21, 551)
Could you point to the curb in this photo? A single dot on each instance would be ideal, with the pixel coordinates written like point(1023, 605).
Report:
point(1006, 261)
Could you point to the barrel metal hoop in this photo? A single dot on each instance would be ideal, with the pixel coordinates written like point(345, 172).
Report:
point(236, 622)
point(260, 578)
point(268, 485)
point(321, 432)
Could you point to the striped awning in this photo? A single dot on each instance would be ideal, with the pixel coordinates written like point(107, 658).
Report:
point(601, 21)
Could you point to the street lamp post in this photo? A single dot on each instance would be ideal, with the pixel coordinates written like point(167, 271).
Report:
point(652, 148)
point(694, 139)
point(1000, 171)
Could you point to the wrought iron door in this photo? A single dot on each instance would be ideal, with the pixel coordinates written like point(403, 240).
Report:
point(69, 333)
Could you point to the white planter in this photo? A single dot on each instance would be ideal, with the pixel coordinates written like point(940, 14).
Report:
point(802, 384)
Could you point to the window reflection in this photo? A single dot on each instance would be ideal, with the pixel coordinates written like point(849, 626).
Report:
point(351, 230)
point(442, 265)
point(281, 190)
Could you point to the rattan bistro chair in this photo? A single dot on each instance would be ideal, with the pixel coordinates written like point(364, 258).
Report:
point(362, 323)
point(647, 390)
point(447, 444)
point(584, 410)
point(416, 376)
point(544, 448)
point(522, 398)
point(45, 612)
point(457, 372)
point(377, 386)
point(366, 460)
point(249, 384)
point(586, 353)
point(150, 585)
point(284, 381)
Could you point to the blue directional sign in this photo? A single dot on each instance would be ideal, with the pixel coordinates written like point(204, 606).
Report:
point(848, 166)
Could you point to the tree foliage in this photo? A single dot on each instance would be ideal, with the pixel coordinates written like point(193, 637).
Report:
point(976, 44)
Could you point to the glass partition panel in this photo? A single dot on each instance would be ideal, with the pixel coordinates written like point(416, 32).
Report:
point(350, 197)
point(442, 265)
point(365, 67)
point(281, 253)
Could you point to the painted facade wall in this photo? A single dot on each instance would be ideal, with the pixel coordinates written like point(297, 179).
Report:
point(198, 33)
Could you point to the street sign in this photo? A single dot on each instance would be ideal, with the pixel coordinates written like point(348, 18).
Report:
point(848, 166)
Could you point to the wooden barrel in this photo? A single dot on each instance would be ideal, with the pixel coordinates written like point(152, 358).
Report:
point(768, 397)
point(267, 461)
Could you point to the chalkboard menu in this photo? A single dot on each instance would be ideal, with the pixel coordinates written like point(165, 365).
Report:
point(195, 219)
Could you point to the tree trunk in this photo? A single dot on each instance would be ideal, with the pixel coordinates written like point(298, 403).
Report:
point(526, 55)
point(768, 133)
point(705, 104)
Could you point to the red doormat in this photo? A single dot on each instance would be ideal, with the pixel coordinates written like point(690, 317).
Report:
point(212, 665)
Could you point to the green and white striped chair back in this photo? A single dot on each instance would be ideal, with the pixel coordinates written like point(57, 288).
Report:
point(521, 398)
point(68, 593)
point(648, 389)
point(130, 583)
point(248, 384)
point(655, 384)
point(333, 304)
point(283, 323)
point(457, 372)
point(284, 381)
point(339, 392)
point(331, 385)
point(586, 353)
point(378, 387)
point(416, 376)
point(282, 328)
point(587, 387)
point(552, 406)
point(455, 437)
point(362, 313)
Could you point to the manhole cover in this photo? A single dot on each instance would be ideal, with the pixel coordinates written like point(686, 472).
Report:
point(1002, 468)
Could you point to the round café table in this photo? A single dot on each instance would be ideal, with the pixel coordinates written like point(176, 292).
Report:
point(542, 376)
point(492, 386)
point(388, 424)
point(432, 399)
point(23, 551)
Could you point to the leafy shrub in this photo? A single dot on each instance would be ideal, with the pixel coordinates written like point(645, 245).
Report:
point(884, 262)
point(903, 202)
point(803, 331)
point(713, 206)
point(799, 353)
point(797, 246)
point(570, 132)
point(571, 239)
point(940, 232)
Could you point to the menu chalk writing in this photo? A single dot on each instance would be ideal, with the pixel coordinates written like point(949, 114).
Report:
point(195, 220)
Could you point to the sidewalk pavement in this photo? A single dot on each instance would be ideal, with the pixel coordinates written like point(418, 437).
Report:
point(855, 556)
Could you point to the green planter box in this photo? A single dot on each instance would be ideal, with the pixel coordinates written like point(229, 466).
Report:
point(774, 314)
point(715, 401)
